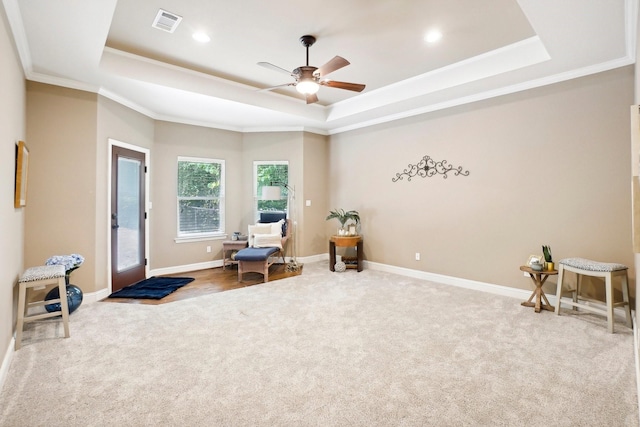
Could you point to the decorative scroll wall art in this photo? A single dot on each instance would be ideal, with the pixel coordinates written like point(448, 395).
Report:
point(427, 167)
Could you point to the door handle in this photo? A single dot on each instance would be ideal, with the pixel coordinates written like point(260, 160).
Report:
point(114, 221)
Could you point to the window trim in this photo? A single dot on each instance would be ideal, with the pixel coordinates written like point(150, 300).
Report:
point(215, 235)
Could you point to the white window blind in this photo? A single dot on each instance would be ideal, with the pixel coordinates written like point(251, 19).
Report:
point(200, 197)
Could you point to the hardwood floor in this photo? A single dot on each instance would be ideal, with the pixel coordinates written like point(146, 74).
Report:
point(210, 281)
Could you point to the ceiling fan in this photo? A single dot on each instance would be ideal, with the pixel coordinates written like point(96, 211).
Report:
point(308, 79)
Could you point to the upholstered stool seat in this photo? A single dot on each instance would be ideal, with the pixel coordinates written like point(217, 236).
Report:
point(256, 260)
point(605, 270)
point(40, 277)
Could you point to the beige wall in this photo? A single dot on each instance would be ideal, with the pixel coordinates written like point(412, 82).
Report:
point(173, 140)
point(307, 156)
point(12, 129)
point(573, 135)
point(312, 230)
point(635, 158)
point(547, 166)
point(70, 130)
point(60, 215)
point(273, 146)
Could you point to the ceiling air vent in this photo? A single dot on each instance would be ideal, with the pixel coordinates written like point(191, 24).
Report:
point(166, 21)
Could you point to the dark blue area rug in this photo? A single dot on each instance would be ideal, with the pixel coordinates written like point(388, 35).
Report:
point(152, 288)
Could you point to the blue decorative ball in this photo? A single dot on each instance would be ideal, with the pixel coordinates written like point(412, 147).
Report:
point(74, 299)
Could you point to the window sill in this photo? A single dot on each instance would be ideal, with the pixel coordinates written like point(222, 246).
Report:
point(201, 238)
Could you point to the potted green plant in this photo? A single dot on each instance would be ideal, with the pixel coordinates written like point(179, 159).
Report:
point(548, 258)
point(345, 216)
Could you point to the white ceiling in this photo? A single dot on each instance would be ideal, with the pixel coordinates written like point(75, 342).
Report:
point(488, 48)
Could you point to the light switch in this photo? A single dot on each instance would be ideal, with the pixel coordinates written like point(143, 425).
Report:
point(308, 203)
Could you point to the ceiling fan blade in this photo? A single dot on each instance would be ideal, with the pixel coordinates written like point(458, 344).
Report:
point(312, 98)
point(356, 87)
point(275, 68)
point(276, 87)
point(335, 64)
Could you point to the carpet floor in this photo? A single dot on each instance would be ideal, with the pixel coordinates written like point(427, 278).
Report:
point(324, 349)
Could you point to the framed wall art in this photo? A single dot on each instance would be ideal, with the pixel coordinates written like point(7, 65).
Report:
point(22, 168)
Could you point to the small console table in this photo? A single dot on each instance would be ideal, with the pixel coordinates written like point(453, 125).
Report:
point(342, 241)
point(230, 246)
point(538, 278)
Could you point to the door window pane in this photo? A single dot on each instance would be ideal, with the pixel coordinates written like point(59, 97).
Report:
point(128, 213)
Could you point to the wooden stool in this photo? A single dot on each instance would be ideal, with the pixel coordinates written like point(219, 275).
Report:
point(36, 277)
point(585, 267)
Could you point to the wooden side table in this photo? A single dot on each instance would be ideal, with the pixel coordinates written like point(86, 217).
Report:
point(229, 246)
point(345, 242)
point(538, 278)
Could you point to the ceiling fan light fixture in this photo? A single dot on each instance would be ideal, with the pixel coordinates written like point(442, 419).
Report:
point(307, 87)
point(308, 78)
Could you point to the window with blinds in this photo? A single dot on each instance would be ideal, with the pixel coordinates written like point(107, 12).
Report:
point(200, 197)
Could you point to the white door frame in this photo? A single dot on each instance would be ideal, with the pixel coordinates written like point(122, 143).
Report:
point(147, 203)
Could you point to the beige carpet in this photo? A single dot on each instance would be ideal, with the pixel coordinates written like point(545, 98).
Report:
point(324, 349)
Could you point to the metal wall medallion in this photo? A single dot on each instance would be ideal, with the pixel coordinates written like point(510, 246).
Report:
point(427, 167)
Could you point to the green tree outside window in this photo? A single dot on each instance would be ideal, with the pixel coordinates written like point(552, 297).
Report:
point(266, 174)
point(200, 196)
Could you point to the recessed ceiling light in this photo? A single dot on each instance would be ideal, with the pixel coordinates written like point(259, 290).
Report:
point(201, 37)
point(433, 36)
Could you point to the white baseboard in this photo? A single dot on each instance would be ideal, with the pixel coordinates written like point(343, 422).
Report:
point(95, 296)
point(313, 258)
point(184, 268)
point(521, 294)
point(6, 362)
point(636, 356)
point(453, 281)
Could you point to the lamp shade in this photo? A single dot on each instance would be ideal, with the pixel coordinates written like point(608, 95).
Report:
point(271, 192)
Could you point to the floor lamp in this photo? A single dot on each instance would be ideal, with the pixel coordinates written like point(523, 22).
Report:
point(273, 192)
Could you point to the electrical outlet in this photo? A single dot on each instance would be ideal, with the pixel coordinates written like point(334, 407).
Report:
point(208, 249)
point(417, 256)
point(308, 202)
